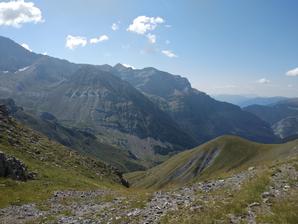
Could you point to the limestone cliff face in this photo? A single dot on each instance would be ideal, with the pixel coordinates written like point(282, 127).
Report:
point(199, 115)
point(101, 100)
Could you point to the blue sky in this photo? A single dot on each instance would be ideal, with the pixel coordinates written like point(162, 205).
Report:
point(234, 46)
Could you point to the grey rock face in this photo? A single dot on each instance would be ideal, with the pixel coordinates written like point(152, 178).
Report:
point(13, 168)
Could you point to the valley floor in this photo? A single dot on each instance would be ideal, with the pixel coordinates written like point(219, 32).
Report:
point(267, 194)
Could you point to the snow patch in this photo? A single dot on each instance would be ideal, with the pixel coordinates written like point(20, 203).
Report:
point(128, 66)
point(23, 69)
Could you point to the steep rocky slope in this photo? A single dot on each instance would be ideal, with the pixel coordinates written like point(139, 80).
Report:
point(97, 99)
point(198, 114)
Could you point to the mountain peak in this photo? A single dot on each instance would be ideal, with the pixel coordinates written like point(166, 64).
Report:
point(13, 56)
point(123, 66)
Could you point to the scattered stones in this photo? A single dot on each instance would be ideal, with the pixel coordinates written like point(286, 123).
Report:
point(254, 204)
point(267, 194)
point(90, 207)
point(251, 168)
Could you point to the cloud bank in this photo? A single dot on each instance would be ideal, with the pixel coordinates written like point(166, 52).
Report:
point(74, 41)
point(99, 39)
point(16, 13)
point(169, 53)
point(143, 24)
point(263, 81)
point(293, 72)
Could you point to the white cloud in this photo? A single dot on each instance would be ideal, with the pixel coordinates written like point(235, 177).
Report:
point(115, 26)
point(128, 66)
point(45, 53)
point(263, 81)
point(168, 42)
point(293, 72)
point(151, 38)
point(74, 41)
point(99, 39)
point(143, 24)
point(15, 13)
point(169, 53)
point(26, 46)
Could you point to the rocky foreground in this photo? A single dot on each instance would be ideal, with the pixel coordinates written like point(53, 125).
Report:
point(250, 196)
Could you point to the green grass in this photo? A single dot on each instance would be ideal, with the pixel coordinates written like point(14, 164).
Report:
point(222, 205)
point(57, 167)
point(283, 210)
point(233, 155)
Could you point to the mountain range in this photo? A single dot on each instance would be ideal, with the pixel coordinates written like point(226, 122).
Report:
point(247, 100)
point(151, 113)
point(282, 116)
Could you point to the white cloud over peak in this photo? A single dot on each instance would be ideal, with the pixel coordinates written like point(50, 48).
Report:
point(169, 53)
point(15, 13)
point(293, 72)
point(143, 24)
point(151, 38)
point(74, 41)
point(263, 81)
point(26, 46)
point(115, 26)
point(99, 39)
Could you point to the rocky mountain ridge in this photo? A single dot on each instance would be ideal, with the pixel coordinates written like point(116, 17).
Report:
point(282, 116)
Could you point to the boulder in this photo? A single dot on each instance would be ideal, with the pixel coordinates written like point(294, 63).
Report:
point(13, 168)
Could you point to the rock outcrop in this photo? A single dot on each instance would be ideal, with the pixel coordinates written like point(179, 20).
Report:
point(10, 166)
point(13, 168)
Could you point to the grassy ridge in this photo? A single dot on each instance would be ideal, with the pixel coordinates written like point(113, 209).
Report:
point(57, 167)
point(216, 158)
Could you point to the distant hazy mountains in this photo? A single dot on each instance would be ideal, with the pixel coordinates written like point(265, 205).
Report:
point(282, 115)
point(147, 111)
point(244, 101)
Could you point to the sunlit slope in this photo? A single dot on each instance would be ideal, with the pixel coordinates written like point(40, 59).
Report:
point(57, 167)
point(213, 159)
